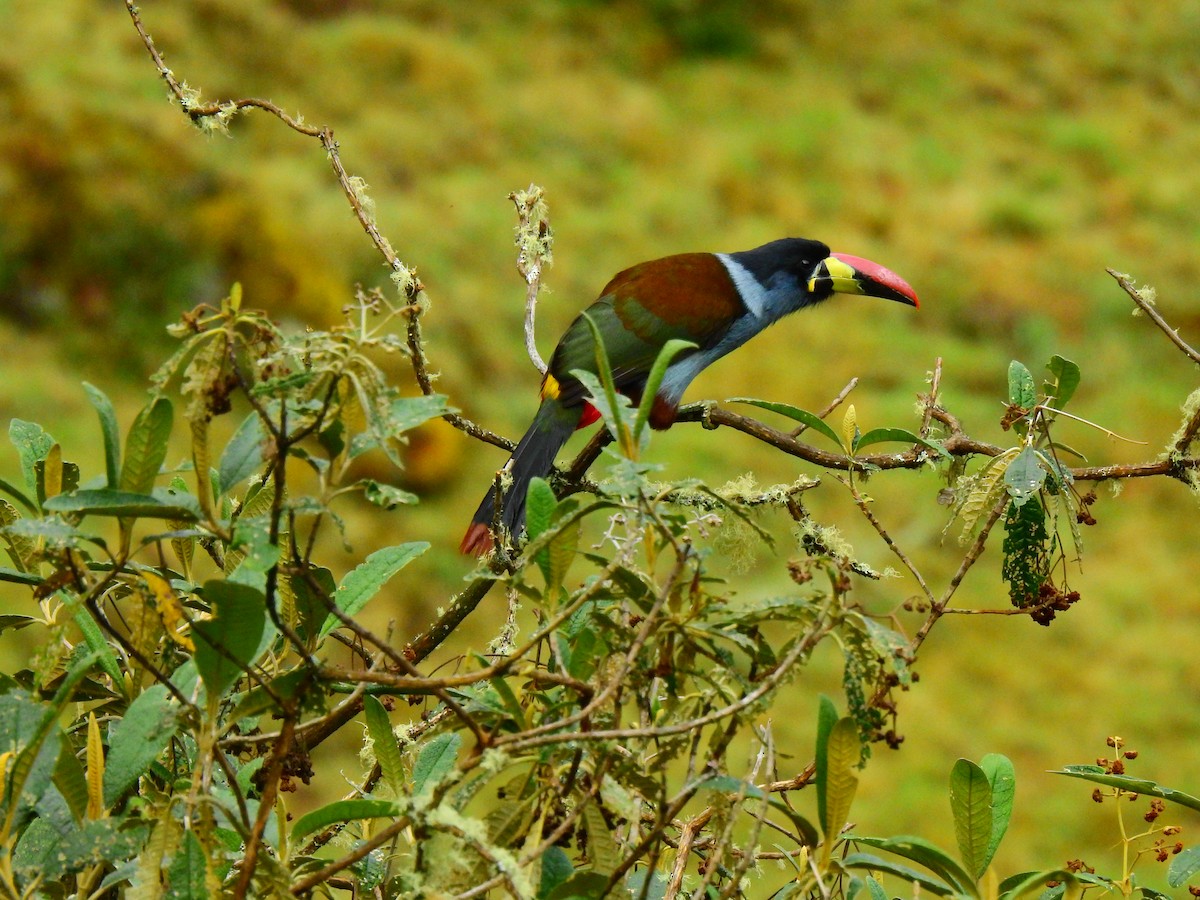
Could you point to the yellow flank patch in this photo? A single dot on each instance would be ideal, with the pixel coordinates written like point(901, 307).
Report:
point(550, 388)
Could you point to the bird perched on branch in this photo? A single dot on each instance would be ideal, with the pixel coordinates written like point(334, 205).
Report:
point(718, 301)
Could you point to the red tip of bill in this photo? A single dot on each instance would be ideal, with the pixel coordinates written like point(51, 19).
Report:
point(879, 274)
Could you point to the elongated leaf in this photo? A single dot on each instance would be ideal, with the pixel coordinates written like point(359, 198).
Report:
point(875, 889)
point(71, 781)
point(843, 754)
point(364, 580)
point(1021, 390)
point(387, 751)
point(435, 761)
point(1097, 775)
point(95, 639)
point(618, 424)
point(1024, 476)
point(1003, 779)
point(924, 853)
point(52, 473)
point(970, 803)
point(162, 504)
point(146, 446)
point(1065, 380)
point(803, 416)
point(539, 505)
point(728, 784)
point(908, 874)
point(850, 432)
point(242, 455)
point(1016, 886)
point(188, 871)
point(137, 738)
point(343, 811)
point(827, 716)
point(227, 644)
point(900, 435)
point(110, 432)
point(602, 846)
point(671, 349)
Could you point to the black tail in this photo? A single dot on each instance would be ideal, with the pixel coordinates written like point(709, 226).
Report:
point(532, 458)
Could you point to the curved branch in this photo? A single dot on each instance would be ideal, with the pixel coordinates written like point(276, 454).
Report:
point(1146, 305)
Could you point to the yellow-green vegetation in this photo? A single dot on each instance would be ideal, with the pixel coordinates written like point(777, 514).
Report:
point(999, 156)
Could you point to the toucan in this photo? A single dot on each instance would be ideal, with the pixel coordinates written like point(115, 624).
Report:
point(717, 301)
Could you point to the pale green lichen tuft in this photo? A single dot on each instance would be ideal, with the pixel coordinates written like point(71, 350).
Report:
point(1189, 409)
point(358, 189)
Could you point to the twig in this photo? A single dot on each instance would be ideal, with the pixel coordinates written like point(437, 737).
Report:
point(833, 404)
point(534, 241)
point(930, 400)
point(1147, 307)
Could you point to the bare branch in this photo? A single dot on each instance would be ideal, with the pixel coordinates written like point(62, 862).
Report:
point(1147, 306)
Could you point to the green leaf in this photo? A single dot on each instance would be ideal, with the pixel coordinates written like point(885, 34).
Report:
point(188, 871)
point(1065, 380)
point(243, 454)
point(435, 761)
point(32, 444)
point(146, 446)
point(1019, 885)
point(803, 416)
point(556, 869)
point(900, 435)
point(1097, 775)
point(1003, 780)
point(1021, 390)
point(728, 784)
point(539, 506)
point(617, 420)
point(601, 843)
point(71, 781)
point(251, 555)
point(226, 645)
point(907, 874)
point(843, 753)
point(163, 503)
point(970, 804)
point(1024, 476)
point(98, 842)
point(875, 889)
point(98, 644)
point(409, 412)
point(1184, 866)
point(827, 716)
point(387, 750)
point(1027, 557)
point(137, 738)
point(662, 362)
point(385, 495)
point(924, 853)
point(364, 580)
point(343, 811)
point(110, 431)
point(583, 886)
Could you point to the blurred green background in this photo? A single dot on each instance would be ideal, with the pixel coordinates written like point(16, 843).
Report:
point(998, 156)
